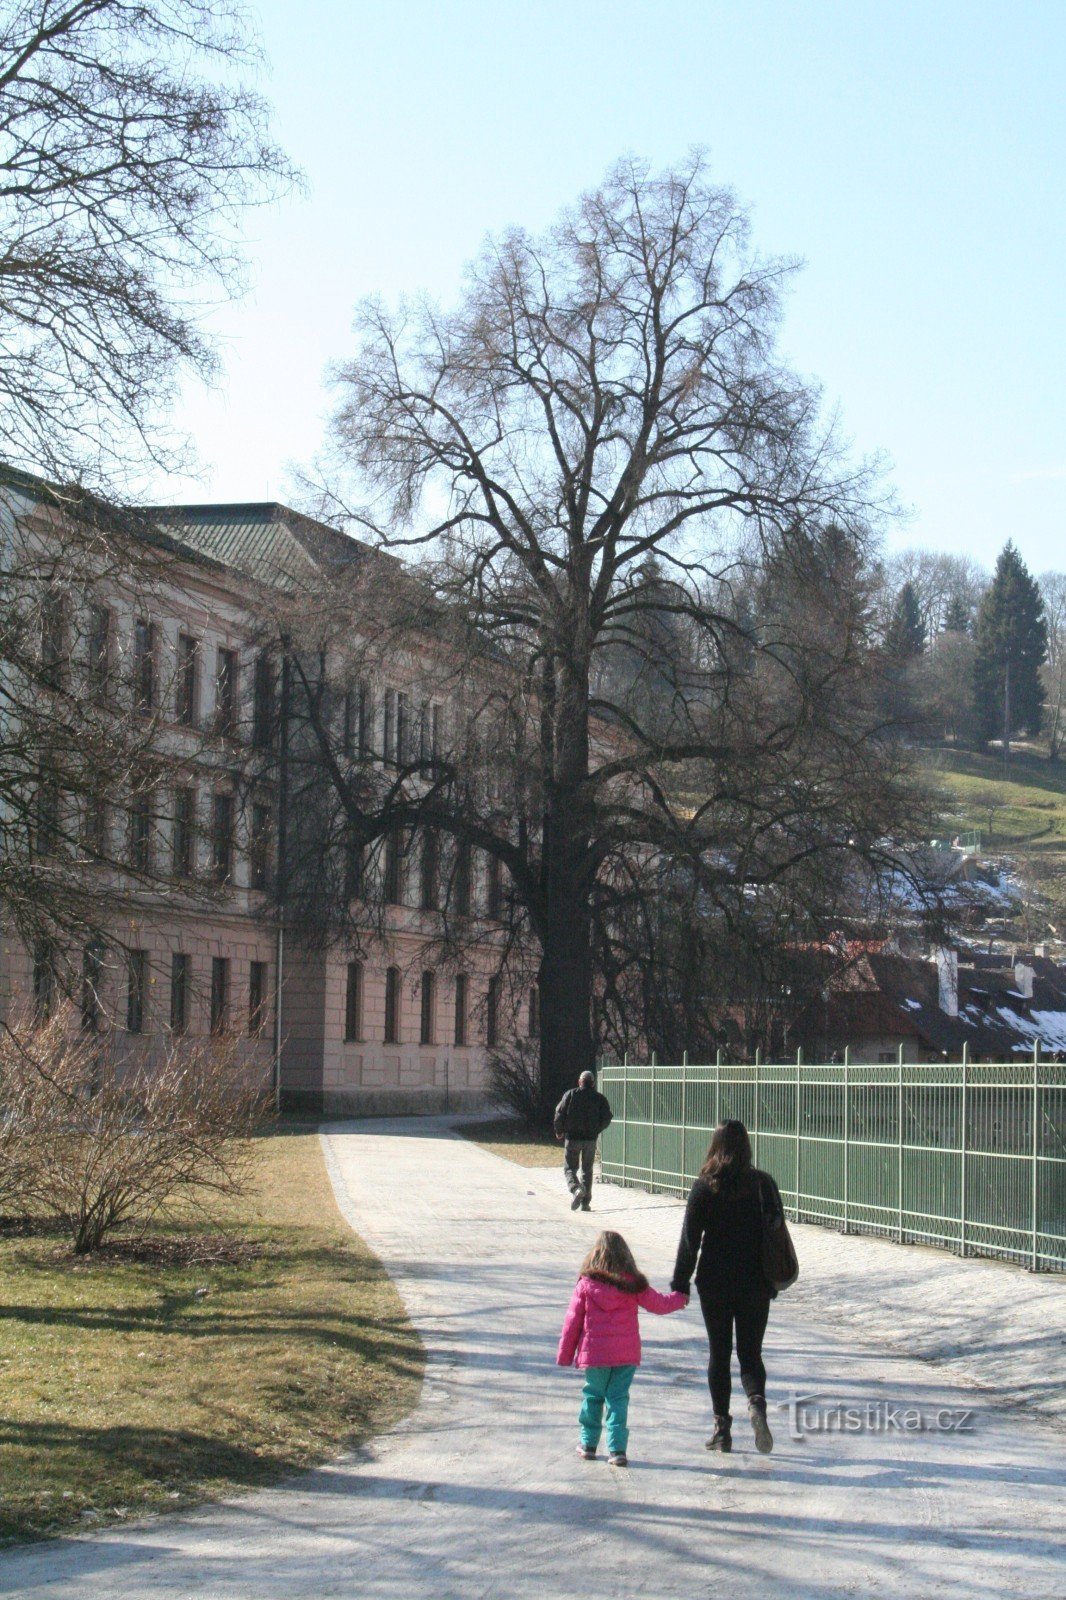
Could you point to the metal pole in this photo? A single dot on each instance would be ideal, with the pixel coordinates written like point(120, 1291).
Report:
point(1036, 1152)
point(799, 1064)
point(899, 1152)
point(281, 877)
point(684, 1112)
point(755, 1108)
point(651, 1112)
point(847, 1129)
point(718, 1088)
point(962, 1151)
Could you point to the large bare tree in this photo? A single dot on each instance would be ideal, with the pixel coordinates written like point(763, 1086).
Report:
point(632, 508)
point(128, 143)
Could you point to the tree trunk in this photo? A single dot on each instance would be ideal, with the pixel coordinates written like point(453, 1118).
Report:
point(566, 1047)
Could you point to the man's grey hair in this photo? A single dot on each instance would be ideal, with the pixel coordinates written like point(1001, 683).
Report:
point(586, 1080)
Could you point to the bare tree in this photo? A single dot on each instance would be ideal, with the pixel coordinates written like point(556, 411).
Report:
point(122, 169)
point(1053, 593)
point(603, 398)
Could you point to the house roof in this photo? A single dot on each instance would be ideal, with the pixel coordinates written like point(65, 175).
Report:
point(264, 540)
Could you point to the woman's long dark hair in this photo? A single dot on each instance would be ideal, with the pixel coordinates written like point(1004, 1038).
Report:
point(728, 1156)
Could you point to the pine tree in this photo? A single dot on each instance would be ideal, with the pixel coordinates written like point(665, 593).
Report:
point(905, 638)
point(957, 616)
point(1011, 639)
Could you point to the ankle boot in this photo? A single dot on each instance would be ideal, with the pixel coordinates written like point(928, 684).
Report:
point(722, 1437)
point(764, 1439)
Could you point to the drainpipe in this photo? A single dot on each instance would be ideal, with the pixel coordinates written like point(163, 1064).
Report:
point(282, 868)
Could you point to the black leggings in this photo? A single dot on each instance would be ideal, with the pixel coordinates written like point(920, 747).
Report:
point(749, 1311)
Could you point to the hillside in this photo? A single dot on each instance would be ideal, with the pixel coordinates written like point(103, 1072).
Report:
point(1019, 810)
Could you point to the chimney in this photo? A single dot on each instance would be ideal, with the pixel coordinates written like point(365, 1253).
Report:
point(1023, 979)
point(947, 968)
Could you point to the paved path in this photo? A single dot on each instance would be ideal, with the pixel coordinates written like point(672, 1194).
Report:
point(480, 1494)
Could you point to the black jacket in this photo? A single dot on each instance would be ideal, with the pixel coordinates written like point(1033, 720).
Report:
point(582, 1114)
point(721, 1237)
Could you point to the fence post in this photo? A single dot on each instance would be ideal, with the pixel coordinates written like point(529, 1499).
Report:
point(799, 1064)
point(847, 1130)
point(625, 1118)
point(684, 1112)
point(962, 1148)
point(1036, 1152)
point(718, 1088)
point(756, 1104)
point(899, 1153)
point(651, 1130)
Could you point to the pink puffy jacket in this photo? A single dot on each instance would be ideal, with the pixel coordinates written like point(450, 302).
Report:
point(601, 1327)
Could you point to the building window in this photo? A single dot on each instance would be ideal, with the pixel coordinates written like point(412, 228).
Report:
point(44, 979)
point(349, 729)
point(180, 979)
point(92, 977)
point(354, 860)
point(534, 1012)
point(435, 720)
point(492, 1013)
point(260, 841)
point(187, 688)
point(143, 665)
point(462, 880)
point(96, 825)
point(366, 721)
point(494, 896)
point(429, 896)
point(136, 990)
point(219, 993)
point(257, 998)
point(222, 837)
point(184, 833)
point(392, 1005)
point(141, 833)
point(47, 815)
point(99, 647)
point(393, 884)
point(263, 703)
point(226, 693)
point(389, 730)
point(353, 1002)
point(460, 1008)
point(54, 640)
point(428, 1008)
point(403, 728)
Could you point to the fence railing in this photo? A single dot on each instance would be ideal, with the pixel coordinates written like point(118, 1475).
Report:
point(969, 1157)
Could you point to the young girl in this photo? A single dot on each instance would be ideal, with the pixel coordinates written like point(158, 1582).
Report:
point(601, 1335)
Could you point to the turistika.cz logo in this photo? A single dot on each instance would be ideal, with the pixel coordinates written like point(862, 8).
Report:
point(813, 1413)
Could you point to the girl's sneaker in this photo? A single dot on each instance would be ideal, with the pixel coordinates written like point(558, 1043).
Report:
point(586, 1452)
point(618, 1458)
point(764, 1439)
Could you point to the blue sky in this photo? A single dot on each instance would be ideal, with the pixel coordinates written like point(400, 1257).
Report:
point(911, 154)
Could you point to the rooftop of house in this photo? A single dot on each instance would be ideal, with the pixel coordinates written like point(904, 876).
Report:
point(264, 540)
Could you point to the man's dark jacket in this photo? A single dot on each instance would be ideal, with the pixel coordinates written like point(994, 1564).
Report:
point(582, 1114)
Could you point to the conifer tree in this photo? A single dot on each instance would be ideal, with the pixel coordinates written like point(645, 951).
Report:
point(905, 638)
point(1011, 639)
point(957, 616)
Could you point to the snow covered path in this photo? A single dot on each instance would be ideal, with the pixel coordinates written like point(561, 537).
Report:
point(480, 1494)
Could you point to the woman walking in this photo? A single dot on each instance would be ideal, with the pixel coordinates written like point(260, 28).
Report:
point(729, 1206)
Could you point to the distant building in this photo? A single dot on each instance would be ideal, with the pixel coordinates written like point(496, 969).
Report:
point(370, 1033)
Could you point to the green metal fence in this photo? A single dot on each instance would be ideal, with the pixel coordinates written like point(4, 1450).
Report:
point(970, 1157)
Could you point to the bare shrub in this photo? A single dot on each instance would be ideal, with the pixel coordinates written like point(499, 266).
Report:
point(96, 1141)
point(514, 1078)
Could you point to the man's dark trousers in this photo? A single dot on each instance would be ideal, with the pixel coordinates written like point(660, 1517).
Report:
point(579, 1153)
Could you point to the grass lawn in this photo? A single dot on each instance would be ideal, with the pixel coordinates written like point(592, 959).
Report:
point(527, 1146)
point(131, 1384)
point(1018, 805)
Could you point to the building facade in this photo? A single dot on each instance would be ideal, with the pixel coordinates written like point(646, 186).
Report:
point(383, 1018)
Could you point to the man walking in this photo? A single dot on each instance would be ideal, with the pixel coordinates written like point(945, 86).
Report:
point(580, 1118)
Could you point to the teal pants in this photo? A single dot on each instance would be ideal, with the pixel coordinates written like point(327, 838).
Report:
point(606, 1386)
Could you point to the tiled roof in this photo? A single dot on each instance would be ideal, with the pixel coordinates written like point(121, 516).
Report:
point(268, 542)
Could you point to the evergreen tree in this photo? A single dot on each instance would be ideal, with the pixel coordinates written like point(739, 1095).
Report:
point(957, 616)
point(905, 638)
point(1011, 640)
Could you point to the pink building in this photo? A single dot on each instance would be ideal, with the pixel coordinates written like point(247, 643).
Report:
point(369, 1025)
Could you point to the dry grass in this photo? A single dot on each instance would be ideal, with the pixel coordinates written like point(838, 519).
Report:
point(526, 1146)
point(147, 1379)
